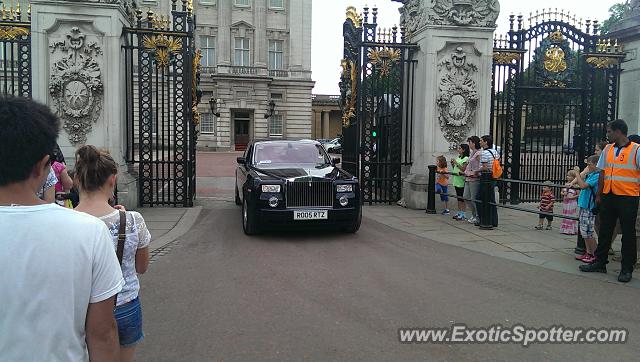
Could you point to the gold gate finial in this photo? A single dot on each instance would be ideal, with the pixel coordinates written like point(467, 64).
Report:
point(352, 15)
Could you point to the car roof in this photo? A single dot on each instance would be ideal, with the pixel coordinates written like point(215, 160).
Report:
point(305, 141)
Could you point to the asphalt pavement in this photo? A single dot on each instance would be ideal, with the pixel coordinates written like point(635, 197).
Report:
point(218, 295)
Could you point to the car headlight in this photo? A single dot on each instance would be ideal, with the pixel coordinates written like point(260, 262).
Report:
point(271, 188)
point(344, 188)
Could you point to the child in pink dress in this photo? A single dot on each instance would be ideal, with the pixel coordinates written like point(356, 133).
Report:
point(569, 206)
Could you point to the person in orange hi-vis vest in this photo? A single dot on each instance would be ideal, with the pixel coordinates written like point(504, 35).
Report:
point(617, 198)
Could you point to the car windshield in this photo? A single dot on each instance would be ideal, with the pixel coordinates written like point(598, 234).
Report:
point(289, 152)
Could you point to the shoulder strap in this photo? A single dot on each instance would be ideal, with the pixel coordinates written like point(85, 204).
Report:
point(122, 235)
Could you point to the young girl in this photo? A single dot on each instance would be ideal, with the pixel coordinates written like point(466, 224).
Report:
point(569, 206)
point(95, 174)
point(442, 183)
point(459, 165)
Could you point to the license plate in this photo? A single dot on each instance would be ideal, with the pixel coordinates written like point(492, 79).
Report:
point(310, 215)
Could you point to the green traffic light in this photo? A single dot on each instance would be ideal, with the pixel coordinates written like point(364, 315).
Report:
point(374, 133)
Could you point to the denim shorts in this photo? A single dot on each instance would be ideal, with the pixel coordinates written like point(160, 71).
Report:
point(129, 320)
point(443, 191)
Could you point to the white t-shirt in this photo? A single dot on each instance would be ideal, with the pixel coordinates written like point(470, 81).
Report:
point(53, 262)
point(137, 237)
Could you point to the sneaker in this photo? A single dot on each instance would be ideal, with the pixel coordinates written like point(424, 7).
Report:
point(582, 256)
point(539, 227)
point(549, 227)
point(597, 267)
point(446, 212)
point(472, 220)
point(456, 216)
point(624, 276)
point(589, 259)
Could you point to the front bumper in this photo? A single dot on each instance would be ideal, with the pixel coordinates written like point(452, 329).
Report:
point(342, 217)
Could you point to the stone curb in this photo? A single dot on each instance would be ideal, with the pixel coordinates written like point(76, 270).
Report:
point(185, 223)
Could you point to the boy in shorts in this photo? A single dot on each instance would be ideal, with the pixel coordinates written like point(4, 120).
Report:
point(587, 204)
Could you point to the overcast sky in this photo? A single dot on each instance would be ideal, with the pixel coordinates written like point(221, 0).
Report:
point(328, 16)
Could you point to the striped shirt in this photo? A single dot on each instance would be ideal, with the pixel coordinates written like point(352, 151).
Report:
point(546, 201)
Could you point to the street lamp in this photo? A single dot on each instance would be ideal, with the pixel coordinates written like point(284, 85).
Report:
point(213, 105)
point(272, 107)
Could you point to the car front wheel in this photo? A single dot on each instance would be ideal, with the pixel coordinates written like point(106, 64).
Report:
point(249, 222)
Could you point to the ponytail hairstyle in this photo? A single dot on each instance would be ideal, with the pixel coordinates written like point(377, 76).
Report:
point(465, 149)
point(475, 140)
point(93, 168)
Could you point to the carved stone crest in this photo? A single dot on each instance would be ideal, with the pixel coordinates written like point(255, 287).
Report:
point(458, 96)
point(417, 13)
point(76, 84)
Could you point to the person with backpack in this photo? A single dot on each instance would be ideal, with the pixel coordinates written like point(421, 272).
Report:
point(95, 174)
point(489, 161)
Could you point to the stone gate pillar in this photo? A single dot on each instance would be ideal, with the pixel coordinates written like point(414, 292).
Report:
point(627, 32)
point(452, 80)
point(78, 70)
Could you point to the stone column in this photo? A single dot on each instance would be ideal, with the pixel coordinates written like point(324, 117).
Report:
point(224, 33)
point(261, 41)
point(317, 124)
point(325, 124)
point(627, 32)
point(83, 40)
point(452, 80)
point(296, 38)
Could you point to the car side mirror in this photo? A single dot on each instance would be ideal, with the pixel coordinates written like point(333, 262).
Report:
point(335, 161)
point(241, 161)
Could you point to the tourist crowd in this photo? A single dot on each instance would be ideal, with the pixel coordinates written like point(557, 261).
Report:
point(598, 202)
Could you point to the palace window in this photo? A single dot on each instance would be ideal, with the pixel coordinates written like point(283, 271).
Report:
point(276, 55)
point(208, 48)
point(207, 123)
point(241, 57)
point(276, 125)
point(276, 4)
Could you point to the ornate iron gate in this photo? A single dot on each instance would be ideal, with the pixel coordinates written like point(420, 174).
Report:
point(377, 105)
point(161, 65)
point(554, 89)
point(15, 52)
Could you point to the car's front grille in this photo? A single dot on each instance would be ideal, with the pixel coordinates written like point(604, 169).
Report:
point(310, 194)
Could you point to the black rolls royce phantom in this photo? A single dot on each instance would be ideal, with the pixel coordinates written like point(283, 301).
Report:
point(295, 183)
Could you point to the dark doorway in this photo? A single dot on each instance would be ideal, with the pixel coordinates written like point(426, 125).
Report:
point(241, 125)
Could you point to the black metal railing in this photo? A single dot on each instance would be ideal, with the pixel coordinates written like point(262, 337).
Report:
point(547, 117)
point(15, 52)
point(161, 113)
point(377, 98)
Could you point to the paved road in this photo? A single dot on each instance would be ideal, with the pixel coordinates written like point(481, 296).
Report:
point(218, 295)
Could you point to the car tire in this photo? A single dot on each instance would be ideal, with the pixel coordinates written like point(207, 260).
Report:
point(249, 221)
point(353, 228)
point(238, 201)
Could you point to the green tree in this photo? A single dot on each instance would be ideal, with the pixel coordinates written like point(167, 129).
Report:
point(616, 13)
